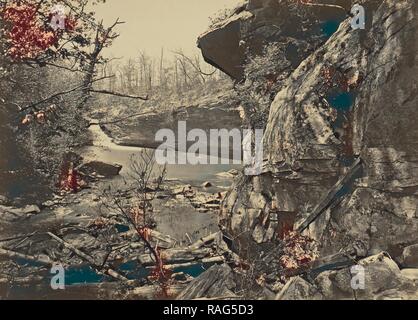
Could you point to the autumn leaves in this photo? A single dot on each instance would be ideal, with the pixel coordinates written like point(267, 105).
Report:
point(28, 30)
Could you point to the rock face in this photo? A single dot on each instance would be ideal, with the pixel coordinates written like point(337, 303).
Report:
point(410, 257)
point(355, 97)
point(382, 280)
point(205, 112)
point(254, 23)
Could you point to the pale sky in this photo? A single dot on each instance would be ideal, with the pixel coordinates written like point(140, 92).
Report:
point(152, 24)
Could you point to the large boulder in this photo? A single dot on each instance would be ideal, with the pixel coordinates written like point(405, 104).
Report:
point(226, 38)
point(101, 168)
point(255, 23)
point(410, 257)
point(382, 280)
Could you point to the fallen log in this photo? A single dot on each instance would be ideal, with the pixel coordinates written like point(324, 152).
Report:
point(172, 256)
point(29, 280)
point(13, 255)
point(152, 292)
point(155, 235)
point(18, 237)
point(204, 241)
point(330, 196)
point(217, 259)
point(164, 241)
point(100, 268)
point(73, 249)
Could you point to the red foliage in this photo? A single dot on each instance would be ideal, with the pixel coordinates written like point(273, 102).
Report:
point(161, 275)
point(298, 250)
point(70, 180)
point(26, 37)
point(28, 33)
point(70, 24)
point(334, 78)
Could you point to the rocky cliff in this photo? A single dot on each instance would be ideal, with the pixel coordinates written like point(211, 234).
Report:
point(340, 145)
point(255, 23)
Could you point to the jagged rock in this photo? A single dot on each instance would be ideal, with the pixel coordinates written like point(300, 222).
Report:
point(307, 153)
point(226, 38)
point(298, 289)
point(259, 234)
point(207, 184)
point(82, 241)
point(31, 209)
point(101, 168)
point(254, 23)
point(13, 214)
point(218, 281)
point(383, 280)
point(3, 200)
point(411, 274)
point(49, 203)
point(181, 277)
point(410, 257)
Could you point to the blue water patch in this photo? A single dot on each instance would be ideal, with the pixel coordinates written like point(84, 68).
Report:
point(85, 274)
point(16, 190)
point(82, 275)
point(341, 101)
point(28, 263)
point(345, 190)
point(134, 270)
point(328, 28)
point(346, 161)
point(121, 228)
point(194, 270)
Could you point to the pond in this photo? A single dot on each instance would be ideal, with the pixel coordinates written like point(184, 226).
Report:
point(104, 149)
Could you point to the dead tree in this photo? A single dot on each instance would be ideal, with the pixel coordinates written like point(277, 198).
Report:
point(103, 37)
point(195, 65)
point(148, 179)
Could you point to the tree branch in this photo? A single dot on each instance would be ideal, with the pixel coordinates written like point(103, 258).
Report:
point(118, 94)
point(119, 120)
point(58, 94)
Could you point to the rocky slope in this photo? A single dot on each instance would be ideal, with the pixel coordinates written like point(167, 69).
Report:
point(340, 145)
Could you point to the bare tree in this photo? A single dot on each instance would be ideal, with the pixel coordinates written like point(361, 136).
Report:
point(148, 178)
